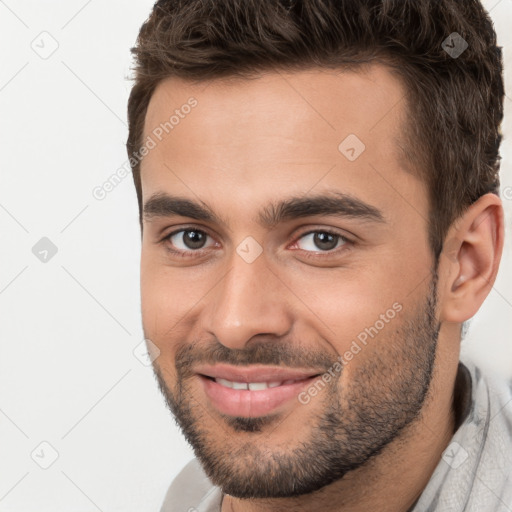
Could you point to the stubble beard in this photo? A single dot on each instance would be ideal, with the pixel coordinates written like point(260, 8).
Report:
point(347, 426)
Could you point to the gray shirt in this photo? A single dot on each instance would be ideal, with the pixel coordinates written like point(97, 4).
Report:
point(474, 473)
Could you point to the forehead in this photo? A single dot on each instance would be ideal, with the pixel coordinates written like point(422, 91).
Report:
point(338, 99)
point(288, 130)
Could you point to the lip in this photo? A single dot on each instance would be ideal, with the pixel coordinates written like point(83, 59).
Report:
point(254, 373)
point(248, 403)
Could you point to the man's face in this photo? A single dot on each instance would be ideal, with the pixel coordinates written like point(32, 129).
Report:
point(254, 305)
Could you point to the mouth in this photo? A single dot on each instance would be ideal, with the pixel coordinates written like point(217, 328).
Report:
point(253, 386)
point(252, 392)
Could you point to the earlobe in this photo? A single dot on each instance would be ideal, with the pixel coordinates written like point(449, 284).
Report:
point(472, 253)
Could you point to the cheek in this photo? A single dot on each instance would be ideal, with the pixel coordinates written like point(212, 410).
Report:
point(171, 298)
point(161, 310)
point(162, 303)
point(346, 314)
point(355, 307)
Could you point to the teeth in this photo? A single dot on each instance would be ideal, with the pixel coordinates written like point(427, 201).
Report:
point(224, 382)
point(257, 386)
point(252, 386)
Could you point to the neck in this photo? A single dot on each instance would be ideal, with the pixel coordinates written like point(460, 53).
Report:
point(393, 480)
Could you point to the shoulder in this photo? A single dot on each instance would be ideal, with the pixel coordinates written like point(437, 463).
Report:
point(191, 490)
point(489, 440)
point(476, 467)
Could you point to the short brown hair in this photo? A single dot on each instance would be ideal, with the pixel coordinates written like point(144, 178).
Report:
point(455, 103)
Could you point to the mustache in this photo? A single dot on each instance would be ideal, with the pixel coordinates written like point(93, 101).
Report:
point(270, 353)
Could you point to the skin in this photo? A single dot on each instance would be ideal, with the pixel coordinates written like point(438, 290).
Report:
point(248, 142)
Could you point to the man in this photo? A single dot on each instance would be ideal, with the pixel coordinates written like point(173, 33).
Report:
point(318, 193)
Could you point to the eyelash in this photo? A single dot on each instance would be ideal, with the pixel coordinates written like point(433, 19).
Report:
point(308, 254)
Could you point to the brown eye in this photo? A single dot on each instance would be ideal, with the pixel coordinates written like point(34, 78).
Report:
point(322, 241)
point(187, 239)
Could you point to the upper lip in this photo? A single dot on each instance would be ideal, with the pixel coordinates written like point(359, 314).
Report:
point(254, 373)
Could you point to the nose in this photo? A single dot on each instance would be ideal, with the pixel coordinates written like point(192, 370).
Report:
point(250, 300)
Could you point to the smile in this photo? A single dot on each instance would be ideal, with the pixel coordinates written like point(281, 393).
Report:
point(253, 386)
point(252, 391)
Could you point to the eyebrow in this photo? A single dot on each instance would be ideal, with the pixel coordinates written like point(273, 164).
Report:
point(336, 204)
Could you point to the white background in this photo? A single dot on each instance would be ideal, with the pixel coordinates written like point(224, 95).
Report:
point(68, 374)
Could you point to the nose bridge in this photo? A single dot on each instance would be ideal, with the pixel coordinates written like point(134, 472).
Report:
point(247, 302)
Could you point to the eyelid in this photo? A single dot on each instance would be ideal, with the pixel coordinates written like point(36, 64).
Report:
point(322, 229)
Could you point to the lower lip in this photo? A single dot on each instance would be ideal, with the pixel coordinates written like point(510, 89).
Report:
point(251, 404)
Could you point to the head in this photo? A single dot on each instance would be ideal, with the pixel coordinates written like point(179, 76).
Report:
point(254, 126)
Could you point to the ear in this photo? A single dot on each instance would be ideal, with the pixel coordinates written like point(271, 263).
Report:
point(470, 259)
